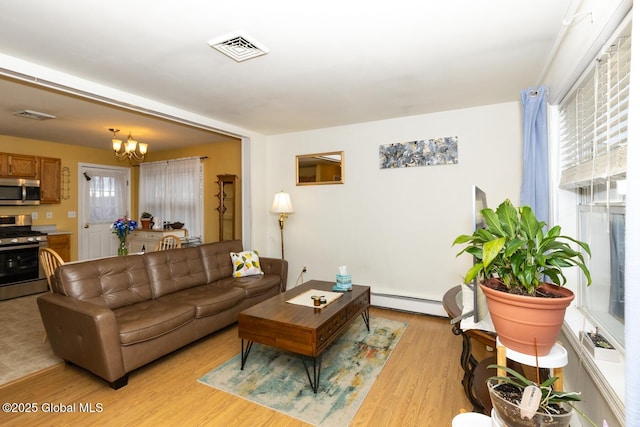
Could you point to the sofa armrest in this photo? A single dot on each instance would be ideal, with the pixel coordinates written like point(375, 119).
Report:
point(84, 334)
point(278, 267)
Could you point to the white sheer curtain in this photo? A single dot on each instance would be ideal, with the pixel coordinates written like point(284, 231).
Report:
point(107, 199)
point(172, 191)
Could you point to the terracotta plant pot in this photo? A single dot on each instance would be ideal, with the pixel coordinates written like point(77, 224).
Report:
point(524, 322)
point(145, 223)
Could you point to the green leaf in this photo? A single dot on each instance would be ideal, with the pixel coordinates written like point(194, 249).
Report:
point(524, 382)
point(530, 225)
point(512, 246)
point(473, 272)
point(463, 238)
point(483, 235)
point(493, 222)
point(491, 249)
point(509, 218)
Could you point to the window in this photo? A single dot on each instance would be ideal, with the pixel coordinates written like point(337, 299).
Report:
point(107, 196)
point(593, 162)
point(172, 191)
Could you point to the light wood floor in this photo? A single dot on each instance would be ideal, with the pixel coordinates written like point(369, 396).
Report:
point(419, 386)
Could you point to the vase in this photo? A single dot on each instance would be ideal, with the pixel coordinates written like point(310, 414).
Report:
point(123, 249)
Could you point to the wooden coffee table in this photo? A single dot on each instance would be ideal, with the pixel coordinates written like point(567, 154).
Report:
point(307, 331)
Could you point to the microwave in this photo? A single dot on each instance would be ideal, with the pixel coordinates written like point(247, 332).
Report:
point(16, 191)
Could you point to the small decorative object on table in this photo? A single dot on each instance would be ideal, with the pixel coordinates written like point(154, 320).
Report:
point(343, 280)
point(121, 228)
point(318, 300)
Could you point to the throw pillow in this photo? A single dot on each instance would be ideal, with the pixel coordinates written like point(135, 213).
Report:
point(245, 263)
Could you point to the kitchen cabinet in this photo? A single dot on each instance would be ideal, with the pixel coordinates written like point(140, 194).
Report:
point(149, 239)
point(50, 176)
point(46, 169)
point(61, 243)
point(18, 165)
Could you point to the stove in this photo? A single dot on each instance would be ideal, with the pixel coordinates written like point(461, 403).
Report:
point(20, 271)
point(20, 235)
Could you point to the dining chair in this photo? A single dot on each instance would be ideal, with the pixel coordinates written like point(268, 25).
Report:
point(49, 260)
point(168, 242)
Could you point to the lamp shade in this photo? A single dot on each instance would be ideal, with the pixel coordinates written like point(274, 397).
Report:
point(282, 203)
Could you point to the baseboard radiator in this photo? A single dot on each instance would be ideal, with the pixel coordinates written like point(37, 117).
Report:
point(406, 303)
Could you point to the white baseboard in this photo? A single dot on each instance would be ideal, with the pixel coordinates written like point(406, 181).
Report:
point(404, 303)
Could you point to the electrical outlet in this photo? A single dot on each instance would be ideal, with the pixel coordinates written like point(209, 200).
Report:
point(49, 214)
point(304, 269)
point(71, 214)
point(34, 215)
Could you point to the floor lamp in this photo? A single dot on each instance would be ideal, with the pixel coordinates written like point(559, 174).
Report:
point(282, 205)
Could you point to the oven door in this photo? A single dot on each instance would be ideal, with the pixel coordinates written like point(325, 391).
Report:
point(19, 263)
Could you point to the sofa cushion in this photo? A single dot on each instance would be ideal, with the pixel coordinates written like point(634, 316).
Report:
point(174, 270)
point(256, 285)
point(111, 282)
point(246, 263)
point(216, 260)
point(207, 299)
point(150, 319)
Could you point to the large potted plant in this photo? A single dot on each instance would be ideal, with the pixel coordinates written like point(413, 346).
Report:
point(513, 257)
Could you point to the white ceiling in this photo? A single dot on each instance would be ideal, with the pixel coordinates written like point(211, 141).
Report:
point(330, 63)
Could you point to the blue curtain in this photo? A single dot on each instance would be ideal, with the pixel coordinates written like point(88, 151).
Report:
point(535, 165)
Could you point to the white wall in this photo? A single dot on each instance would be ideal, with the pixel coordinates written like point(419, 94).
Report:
point(393, 228)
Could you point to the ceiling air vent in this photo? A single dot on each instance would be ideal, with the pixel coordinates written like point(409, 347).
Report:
point(238, 47)
point(35, 115)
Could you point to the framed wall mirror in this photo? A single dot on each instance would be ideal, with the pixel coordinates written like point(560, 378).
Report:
point(320, 168)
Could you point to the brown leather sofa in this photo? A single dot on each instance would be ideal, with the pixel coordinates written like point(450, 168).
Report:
point(113, 315)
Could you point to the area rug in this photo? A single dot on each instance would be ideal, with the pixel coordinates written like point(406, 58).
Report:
point(277, 379)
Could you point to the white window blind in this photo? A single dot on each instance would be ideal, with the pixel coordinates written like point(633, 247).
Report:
point(593, 133)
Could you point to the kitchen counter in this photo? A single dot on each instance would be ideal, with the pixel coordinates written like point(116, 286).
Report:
point(50, 229)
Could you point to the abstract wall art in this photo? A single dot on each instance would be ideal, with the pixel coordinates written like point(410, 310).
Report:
point(425, 152)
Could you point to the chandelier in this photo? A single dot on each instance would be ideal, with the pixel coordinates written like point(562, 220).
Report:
point(131, 149)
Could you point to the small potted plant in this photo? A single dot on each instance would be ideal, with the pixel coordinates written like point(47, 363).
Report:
point(145, 220)
point(553, 409)
point(599, 346)
point(513, 256)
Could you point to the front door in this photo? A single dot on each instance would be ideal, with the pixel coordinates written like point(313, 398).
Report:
point(104, 197)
